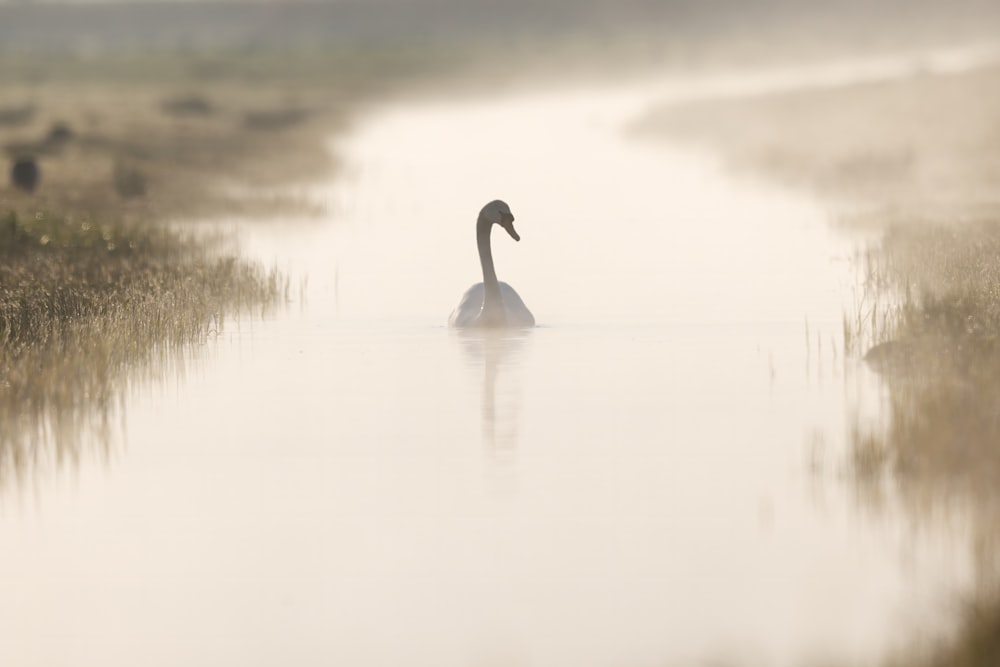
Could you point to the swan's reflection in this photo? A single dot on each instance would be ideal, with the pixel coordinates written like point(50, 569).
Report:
point(497, 350)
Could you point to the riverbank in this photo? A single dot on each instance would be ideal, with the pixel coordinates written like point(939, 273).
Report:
point(916, 160)
point(98, 285)
point(87, 306)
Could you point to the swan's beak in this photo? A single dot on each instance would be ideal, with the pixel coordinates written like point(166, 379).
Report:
point(507, 222)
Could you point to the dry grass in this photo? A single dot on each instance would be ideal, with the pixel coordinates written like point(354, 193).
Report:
point(86, 308)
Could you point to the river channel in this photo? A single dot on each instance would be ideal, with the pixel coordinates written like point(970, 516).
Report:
point(654, 475)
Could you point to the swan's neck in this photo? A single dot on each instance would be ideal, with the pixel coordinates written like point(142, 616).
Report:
point(492, 301)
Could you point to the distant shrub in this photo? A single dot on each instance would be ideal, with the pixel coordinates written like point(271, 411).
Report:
point(130, 182)
point(187, 105)
point(17, 115)
point(274, 119)
point(59, 134)
point(25, 174)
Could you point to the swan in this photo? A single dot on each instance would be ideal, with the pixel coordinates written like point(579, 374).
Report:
point(491, 303)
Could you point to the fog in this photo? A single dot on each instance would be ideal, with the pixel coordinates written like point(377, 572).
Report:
point(656, 27)
point(753, 421)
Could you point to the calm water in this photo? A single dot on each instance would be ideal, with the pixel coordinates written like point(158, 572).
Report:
point(653, 476)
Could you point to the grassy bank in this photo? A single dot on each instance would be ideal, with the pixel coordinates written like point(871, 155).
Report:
point(87, 308)
point(917, 160)
point(98, 290)
point(90, 305)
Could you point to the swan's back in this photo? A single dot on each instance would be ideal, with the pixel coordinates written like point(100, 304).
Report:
point(469, 308)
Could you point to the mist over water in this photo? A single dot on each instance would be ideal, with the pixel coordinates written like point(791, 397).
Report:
point(649, 476)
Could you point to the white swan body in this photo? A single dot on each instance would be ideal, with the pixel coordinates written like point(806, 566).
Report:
point(515, 312)
point(491, 303)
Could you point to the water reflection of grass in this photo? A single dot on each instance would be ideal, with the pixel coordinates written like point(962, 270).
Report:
point(87, 307)
point(941, 363)
point(940, 446)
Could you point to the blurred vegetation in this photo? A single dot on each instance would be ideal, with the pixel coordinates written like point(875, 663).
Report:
point(102, 146)
point(973, 643)
point(923, 148)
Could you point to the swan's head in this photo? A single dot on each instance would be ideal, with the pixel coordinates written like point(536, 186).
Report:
point(498, 213)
